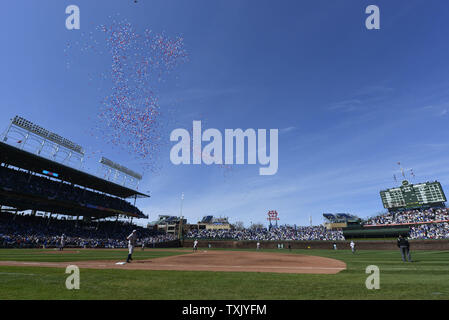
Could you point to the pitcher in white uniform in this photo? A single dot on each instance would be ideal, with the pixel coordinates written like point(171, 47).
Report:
point(131, 243)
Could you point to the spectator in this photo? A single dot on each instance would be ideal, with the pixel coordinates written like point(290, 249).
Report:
point(273, 234)
point(34, 231)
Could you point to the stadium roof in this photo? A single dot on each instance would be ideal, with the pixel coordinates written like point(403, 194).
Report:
point(32, 162)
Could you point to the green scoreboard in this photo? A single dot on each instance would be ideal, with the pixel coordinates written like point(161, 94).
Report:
point(413, 195)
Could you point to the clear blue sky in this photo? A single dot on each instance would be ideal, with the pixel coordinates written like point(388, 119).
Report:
point(349, 103)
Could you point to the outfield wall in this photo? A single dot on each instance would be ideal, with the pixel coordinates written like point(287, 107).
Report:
point(360, 244)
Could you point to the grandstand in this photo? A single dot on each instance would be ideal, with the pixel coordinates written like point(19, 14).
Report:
point(335, 221)
point(38, 174)
point(415, 210)
point(279, 233)
point(29, 231)
point(213, 223)
point(431, 223)
point(168, 224)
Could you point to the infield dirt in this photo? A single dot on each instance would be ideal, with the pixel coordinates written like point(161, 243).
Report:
point(203, 260)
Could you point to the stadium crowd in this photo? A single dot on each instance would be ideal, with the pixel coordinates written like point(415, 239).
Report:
point(34, 231)
point(421, 221)
point(274, 233)
point(25, 183)
point(430, 231)
point(410, 217)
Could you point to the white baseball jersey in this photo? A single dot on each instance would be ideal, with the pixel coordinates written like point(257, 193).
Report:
point(132, 239)
point(131, 242)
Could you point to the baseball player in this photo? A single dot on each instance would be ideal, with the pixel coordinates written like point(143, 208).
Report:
point(195, 245)
point(131, 243)
point(404, 247)
point(62, 242)
point(335, 246)
point(258, 245)
point(352, 245)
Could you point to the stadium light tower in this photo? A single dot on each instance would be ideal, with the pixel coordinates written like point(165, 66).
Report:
point(120, 174)
point(25, 135)
point(180, 218)
point(182, 199)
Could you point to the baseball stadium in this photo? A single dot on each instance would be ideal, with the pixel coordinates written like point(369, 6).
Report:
point(54, 216)
point(225, 150)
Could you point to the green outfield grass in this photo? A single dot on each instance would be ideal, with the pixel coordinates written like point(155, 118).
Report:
point(69, 255)
point(426, 278)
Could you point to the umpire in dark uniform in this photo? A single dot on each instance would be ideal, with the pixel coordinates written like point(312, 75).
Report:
point(404, 246)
